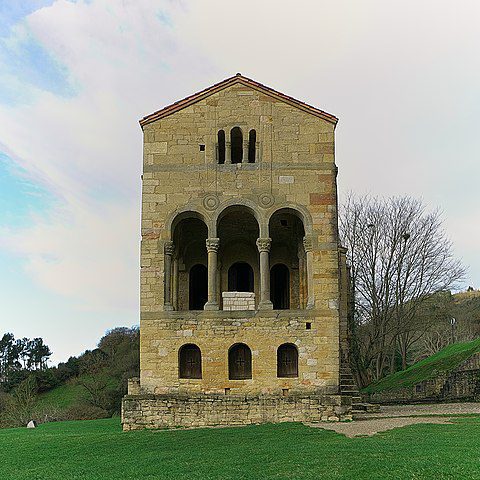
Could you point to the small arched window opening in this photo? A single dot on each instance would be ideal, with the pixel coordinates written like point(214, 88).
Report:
point(252, 141)
point(240, 278)
point(280, 287)
point(236, 139)
point(190, 361)
point(239, 362)
point(287, 361)
point(198, 287)
point(221, 146)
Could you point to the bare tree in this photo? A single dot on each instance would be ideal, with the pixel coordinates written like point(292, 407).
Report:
point(399, 256)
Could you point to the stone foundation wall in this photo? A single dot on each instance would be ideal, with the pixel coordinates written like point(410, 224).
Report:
point(169, 411)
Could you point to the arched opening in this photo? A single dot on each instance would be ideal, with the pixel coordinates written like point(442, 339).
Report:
point(221, 146)
point(189, 277)
point(189, 361)
point(240, 278)
point(252, 141)
point(238, 257)
point(239, 362)
point(280, 287)
point(236, 139)
point(288, 283)
point(198, 287)
point(287, 361)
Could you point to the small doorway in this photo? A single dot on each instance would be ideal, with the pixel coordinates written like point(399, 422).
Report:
point(198, 287)
point(280, 287)
point(240, 277)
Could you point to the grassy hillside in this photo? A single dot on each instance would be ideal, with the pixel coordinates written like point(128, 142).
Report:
point(444, 361)
point(62, 397)
point(98, 449)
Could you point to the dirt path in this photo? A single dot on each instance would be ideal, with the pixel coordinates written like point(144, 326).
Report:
point(397, 416)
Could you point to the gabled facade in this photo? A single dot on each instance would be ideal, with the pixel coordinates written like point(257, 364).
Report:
point(242, 310)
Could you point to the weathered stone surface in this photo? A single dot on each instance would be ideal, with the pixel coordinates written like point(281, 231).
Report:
point(283, 211)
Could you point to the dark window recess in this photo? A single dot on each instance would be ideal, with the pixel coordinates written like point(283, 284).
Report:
point(280, 287)
point(240, 278)
point(190, 361)
point(221, 146)
point(198, 287)
point(202, 148)
point(308, 326)
point(287, 360)
point(239, 362)
point(236, 139)
point(252, 140)
point(283, 223)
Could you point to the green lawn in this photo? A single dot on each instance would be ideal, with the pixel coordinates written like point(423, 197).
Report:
point(98, 449)
point(444, 361)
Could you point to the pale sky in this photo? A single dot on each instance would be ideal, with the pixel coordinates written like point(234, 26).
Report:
point(75, 77)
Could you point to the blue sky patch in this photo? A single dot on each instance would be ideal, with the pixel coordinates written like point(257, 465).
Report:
point(19, 197)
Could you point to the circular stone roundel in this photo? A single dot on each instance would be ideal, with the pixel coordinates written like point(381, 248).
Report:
point(266, 200)
point(210, 202)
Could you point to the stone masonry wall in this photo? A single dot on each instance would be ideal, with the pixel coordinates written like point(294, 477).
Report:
point(295, 169)
point(168, 411)
point(238, 300)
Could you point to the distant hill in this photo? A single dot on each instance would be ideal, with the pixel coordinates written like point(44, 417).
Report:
point(443, 361)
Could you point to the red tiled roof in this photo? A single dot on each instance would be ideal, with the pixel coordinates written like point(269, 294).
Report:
point(238, 78)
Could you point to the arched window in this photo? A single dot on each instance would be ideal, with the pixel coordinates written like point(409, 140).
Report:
point(189, 361)
point(252, 140)
point(198, 287)
point(280, 287)
point(236, 139)
point(240, 277)
point(239, 362)
point(221, 146)
point(287, 360)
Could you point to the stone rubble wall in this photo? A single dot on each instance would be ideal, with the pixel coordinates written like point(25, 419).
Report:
point(238, 301)
point(170, 411)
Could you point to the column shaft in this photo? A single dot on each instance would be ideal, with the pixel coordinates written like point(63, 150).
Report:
point(263, 245)
point(168, 250)
point(307, 243)
point(212, 249)
point(228, 152)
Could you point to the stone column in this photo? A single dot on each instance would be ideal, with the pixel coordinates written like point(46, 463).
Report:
point(257, 152)
point(212, 249)
point(263, 245)
point(168, 249)
point(307, 244)
point(245, 152)
point(175, 284)
point(228, 152)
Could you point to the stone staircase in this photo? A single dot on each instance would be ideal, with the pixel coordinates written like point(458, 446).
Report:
point(348, 387)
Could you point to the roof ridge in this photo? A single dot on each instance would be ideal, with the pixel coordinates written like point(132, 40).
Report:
point(237, 78)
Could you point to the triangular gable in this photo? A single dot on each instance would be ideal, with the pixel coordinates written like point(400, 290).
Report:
point(228, 82)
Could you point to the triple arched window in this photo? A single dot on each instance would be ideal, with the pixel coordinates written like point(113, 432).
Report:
point(239, 361)
point(236, 149)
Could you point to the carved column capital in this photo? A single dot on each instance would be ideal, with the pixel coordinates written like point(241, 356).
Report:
point(308, 243)
point(169, 248)
point(213, 244)
point(263, 244)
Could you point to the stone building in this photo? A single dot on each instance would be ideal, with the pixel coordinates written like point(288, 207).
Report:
point(243, 280)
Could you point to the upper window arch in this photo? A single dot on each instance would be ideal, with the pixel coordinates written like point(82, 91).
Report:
point(221, 146)
point(252, 145)
point(236, 144)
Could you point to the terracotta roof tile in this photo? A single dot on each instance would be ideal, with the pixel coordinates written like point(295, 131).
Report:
point(238, 78)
